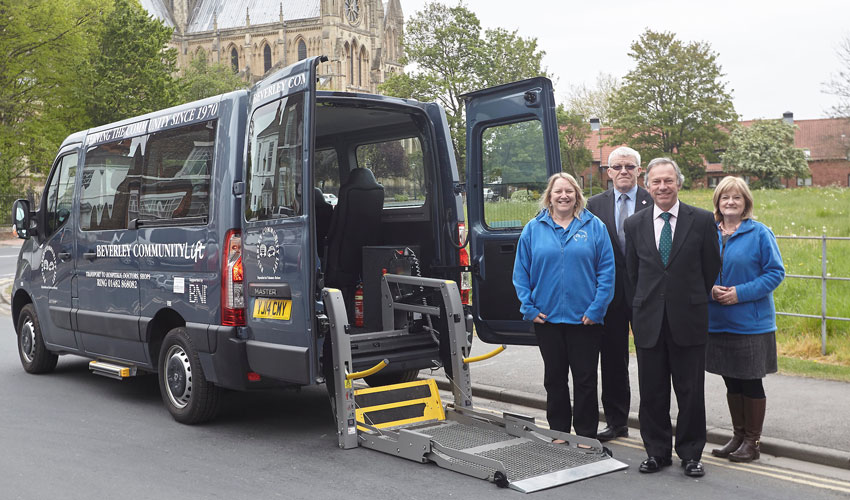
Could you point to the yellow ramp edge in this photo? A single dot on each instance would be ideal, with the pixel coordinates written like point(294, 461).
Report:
point(399, 404)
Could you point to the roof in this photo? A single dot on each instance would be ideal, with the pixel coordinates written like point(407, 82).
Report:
point(232, 13)
point(825, 139)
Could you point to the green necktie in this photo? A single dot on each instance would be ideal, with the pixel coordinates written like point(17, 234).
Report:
point(665, 243)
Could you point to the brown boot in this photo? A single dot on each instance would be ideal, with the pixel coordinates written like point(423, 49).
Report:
point(753, 421)
point(736, 409)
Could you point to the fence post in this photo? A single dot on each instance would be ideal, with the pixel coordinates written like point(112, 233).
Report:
point(823, 295)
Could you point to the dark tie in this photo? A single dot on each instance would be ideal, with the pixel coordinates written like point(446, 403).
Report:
point(665, 242)
point(621, 219)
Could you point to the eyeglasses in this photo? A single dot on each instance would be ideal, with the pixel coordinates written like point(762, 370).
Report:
point(621, 167)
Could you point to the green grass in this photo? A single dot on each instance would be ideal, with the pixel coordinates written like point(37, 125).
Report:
point(788, 212)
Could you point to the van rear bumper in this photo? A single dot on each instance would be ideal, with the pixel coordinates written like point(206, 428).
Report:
point(227, 364)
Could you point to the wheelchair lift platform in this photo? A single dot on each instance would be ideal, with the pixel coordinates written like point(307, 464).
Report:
point(409, 420)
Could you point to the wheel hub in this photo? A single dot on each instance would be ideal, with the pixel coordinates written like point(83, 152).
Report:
point(28, 341)
point(178, 376)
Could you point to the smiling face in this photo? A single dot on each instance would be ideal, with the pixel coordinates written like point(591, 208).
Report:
point(663, 185)
point(624, 179)
point(562, 198)
point(731, 205)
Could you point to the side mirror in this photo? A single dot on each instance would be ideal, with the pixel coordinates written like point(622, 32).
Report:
point(23, 219)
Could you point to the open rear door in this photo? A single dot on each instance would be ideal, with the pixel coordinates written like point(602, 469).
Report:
point(512, 149)
point(278, 240)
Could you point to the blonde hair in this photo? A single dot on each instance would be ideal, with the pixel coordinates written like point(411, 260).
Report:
point(546, 203)
point(730, 183)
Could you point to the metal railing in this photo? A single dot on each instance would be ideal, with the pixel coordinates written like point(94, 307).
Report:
point(824, 277)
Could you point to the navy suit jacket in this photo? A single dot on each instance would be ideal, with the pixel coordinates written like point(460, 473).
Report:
point(682, 287)
point(602, 206)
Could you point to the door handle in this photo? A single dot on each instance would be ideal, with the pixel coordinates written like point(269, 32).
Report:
point(64, 256)
point(90, 255)
point(507, 248)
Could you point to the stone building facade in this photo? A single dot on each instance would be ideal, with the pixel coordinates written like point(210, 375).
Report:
point(362, 38)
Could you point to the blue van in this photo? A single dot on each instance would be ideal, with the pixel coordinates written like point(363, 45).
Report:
point(194, 242)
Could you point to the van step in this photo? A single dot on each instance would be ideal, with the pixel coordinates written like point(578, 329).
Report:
point(111, 370)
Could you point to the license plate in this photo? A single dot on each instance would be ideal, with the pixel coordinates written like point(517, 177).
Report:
point(272, 308)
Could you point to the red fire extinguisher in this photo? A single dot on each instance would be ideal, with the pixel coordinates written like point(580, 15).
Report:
point(358, 305)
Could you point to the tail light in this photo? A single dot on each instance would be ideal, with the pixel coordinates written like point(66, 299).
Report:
point(232, 288)
point(465, 277)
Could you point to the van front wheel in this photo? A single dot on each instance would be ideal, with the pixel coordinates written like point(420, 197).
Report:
point(185, 391)
point(35, 357)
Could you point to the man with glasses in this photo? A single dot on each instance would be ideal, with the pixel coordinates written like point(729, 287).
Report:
point(614, 207)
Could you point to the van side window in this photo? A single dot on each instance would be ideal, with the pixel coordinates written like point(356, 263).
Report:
point(398, 166)
point(176, 178)
point(60, 194)
point(513, 166)
point(111, 177)
point(275, 160)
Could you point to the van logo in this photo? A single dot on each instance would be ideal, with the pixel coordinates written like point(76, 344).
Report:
point(268, 254)
point(48, 267)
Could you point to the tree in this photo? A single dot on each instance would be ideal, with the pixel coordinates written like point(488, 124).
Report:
point(594, 102)
point(203, 79)
point(572, 133)
point(452, 57)
point(766, 150)
point(131, 71)
point(673, 103)
point(839, 85)
point(39, 39)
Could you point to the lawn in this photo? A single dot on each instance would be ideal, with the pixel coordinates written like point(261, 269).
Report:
point(808, 212)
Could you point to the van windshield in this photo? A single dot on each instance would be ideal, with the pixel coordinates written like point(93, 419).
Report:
point(275, 160)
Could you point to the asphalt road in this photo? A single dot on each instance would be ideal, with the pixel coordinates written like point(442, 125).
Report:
point(70, 435)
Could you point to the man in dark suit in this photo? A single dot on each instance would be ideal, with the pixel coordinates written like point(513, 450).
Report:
point(614, 207)
point(672, 260)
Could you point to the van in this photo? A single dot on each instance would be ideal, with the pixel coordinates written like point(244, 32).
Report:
point(194, 242)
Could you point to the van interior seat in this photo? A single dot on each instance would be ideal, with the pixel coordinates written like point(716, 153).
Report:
point(356, 222)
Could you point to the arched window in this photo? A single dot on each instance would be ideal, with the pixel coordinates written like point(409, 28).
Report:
point(364, 67)
point(302, 50)
point(352, 55)
point(267, 58)
point(234, 60)
point(201, 54)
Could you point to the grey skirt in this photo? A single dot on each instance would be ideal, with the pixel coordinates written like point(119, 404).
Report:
point(744, 356)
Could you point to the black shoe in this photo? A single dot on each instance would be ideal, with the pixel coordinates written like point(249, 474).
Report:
point(611, 432)
point(693, 468)
point(654, 464)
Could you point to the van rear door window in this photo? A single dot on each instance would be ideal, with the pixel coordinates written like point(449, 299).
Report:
point(398, 166)
point(275, 160)
point(110, 180)
point(175, 182)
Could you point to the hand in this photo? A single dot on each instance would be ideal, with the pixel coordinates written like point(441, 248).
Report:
point(541, 318)
point(728, 296)
point(587, 321)
point(716, 291)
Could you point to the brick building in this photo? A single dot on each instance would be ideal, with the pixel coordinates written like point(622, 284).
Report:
point(825, 141)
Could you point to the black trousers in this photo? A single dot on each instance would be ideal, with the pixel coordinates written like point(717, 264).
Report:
point(685, 365)
point(570, 349)
point(614, 360)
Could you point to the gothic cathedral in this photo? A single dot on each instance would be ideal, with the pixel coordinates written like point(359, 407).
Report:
point(362, 38)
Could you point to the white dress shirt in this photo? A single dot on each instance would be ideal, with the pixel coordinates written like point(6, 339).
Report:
point(658, 222)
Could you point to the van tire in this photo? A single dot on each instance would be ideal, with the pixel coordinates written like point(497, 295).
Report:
point(187, 394)
point(34, 355)
point(391, 378)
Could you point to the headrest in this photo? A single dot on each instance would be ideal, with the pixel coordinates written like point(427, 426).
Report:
point(361, 177)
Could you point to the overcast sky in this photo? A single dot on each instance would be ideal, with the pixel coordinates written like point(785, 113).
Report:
point(775, 53)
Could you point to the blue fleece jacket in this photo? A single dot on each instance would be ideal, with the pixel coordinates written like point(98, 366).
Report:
point(753, 265)
point(564, 273)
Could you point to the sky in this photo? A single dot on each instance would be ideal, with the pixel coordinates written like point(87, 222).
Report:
point(776, 54)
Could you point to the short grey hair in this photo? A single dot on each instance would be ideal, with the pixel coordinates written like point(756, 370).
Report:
point(624, 151)
point(666, 161)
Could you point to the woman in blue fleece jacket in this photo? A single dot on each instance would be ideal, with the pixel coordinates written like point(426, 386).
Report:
point(564, 279)
point(741, 316)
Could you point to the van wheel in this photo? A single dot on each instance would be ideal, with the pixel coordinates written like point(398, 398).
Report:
point(34, 354)
point(185, 391)
point(401, 377)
